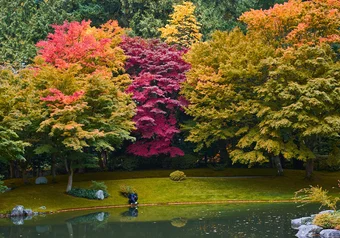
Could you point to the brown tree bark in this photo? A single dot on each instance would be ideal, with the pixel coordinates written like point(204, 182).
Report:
point(309, 168)
point(278, 165)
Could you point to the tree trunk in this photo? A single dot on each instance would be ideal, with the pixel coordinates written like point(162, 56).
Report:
point(224, 155)
point(24, 176)
point(70, 180)
point(309, 168)
point(53, 168)
point(278, 165)
point(103, 160)
point(70, 175)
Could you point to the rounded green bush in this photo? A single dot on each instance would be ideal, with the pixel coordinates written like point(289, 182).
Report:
point(177, 176)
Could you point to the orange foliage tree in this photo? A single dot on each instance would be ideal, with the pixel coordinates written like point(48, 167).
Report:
point(296, 22)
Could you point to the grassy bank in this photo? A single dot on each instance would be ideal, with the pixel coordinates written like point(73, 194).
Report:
point(156, 187)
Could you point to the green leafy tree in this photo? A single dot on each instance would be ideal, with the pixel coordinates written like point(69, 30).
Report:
point(298, 107)
point(24, 22)
point(18, 111)
point(220, 87)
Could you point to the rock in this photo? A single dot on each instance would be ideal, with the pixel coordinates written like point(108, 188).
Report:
point(100, 216)
point(41, 180)
point(18, 211)
point(28, 212)
point(42, 207)
point(296, 223)
point(327, 211)
point(307, 231)
point(330, 233)
point(18, 220)
point(100, 194)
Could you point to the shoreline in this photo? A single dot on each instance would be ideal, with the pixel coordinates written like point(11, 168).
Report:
point(160, 204)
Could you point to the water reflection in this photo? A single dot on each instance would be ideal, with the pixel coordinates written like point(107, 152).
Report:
point(235, 221)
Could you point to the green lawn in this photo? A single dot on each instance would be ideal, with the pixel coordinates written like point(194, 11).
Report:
point(155, 187)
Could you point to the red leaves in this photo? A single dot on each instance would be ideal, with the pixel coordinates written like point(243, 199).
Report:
point(79, 43)
point(58, 96)
point(157, 70)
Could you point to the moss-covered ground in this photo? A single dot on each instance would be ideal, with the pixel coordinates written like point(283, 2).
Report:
point(203, 185)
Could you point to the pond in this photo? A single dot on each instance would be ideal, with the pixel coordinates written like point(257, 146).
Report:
point(227, 220)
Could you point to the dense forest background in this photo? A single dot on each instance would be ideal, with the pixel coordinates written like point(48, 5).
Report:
point(133, 84)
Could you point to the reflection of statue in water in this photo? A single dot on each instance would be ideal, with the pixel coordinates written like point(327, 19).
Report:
point(132, 212)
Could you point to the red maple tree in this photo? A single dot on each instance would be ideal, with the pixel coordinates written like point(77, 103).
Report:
point(157, 70)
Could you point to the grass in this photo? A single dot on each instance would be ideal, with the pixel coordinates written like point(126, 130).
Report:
point(155, 187)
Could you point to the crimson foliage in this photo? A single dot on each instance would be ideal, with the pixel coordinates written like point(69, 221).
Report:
point(157, 70)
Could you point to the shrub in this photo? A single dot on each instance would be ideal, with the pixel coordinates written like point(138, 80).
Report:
point(327, 220)
point(316, 194)
point(2, 186)
point(98, 186)
point(125, 190)
point(177, 176)
point(85, 193)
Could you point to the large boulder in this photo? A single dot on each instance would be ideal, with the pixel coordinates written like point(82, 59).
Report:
point(28, 212)
point(330, 233)
point(308, 231)
point(296, 223)
point(18, 211)
point(327, 211)
point(100, 194)
point(41, 180)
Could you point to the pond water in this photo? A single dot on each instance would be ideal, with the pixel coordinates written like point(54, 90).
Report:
point(228, 220)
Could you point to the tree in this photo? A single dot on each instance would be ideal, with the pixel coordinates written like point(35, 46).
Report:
point(63, 123)
point(81, 58)
point(157, 70)
point(298, 107)
point(220, 88)
point(292, 27)
point(110, 111)
point(296, 22)
point(18, 113)
point(24, 22)
point(183, 28)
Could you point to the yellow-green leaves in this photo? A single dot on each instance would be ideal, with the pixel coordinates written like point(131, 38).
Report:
point(183, 28)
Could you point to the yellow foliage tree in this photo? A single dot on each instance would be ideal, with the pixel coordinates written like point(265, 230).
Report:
point(183, 28)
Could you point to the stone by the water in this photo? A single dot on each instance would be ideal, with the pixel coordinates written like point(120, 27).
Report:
point(41, 180)
point(327, 211)
point(308, 231)
point(296, 223)
point(18, 211)
point(330, 233)
point(100, 194)
point(28, 212)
